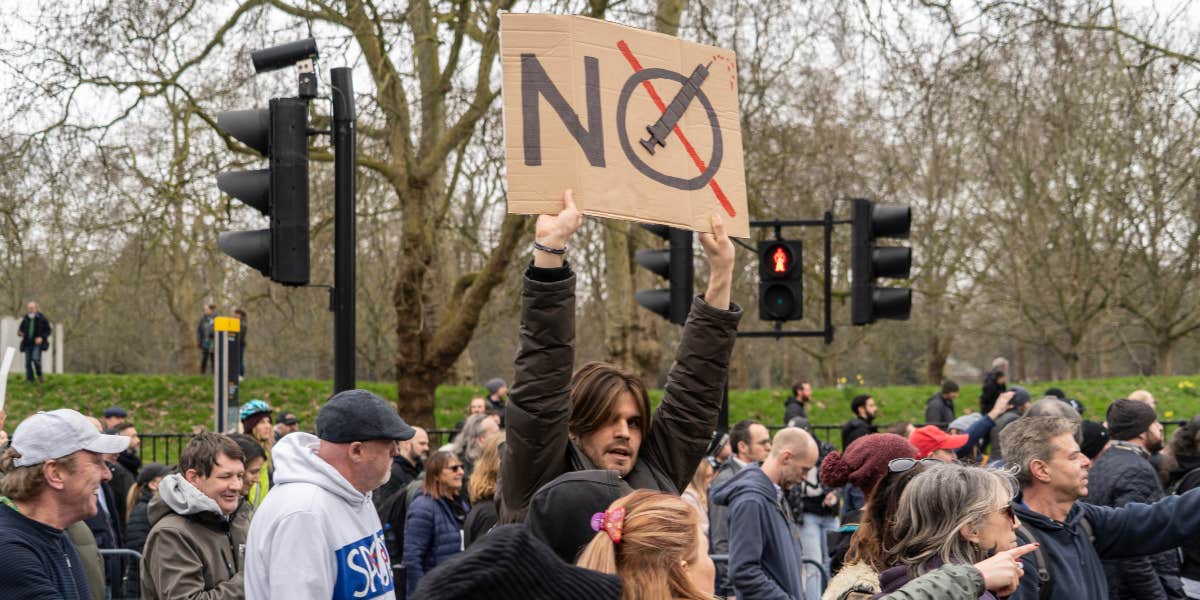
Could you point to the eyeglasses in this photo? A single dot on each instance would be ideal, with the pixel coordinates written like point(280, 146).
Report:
point(900, 465)
point(455, 467)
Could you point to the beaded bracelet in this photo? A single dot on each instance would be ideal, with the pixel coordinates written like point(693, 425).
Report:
point(548, 249)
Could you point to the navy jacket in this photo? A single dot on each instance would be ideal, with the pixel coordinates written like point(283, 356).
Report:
point(764, 552)
point(1132, 530)
point(1122, 475)
point(433, 532)
point(39, 561)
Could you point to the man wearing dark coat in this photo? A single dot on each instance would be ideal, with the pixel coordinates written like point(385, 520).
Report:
point(34, 332)
point(1122, 474)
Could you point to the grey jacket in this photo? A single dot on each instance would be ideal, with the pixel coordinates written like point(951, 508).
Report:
point(193, 550)
point(718, 524)
point(537, 447)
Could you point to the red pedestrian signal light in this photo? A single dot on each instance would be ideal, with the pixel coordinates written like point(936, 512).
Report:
point(780, 285)
point(780, 259)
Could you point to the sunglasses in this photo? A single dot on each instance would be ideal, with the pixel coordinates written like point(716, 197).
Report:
point(901, 465)
point(455, 467)
point(1008, 513)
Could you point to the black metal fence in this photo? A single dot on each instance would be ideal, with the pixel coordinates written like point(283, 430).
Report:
point(165, 447)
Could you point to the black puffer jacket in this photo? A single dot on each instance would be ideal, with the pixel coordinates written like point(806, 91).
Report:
point(1122, 475)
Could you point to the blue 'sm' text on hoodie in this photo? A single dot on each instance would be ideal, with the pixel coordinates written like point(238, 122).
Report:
point(364, 569)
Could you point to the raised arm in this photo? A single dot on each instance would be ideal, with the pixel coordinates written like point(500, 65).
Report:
point(683, 424)
point(539, 407)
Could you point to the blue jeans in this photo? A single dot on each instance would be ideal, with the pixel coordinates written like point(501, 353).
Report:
point(33, 362)
point(815, 547)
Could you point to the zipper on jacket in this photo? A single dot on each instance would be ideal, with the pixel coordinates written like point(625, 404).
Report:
point(232, 549)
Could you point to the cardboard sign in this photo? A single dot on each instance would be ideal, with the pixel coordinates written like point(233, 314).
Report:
point(643, 126)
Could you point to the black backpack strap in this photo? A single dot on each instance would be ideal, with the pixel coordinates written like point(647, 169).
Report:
point(1086, 526)
point(1045, 585)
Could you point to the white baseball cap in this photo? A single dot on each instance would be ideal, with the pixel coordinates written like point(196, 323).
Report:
point(55, 434)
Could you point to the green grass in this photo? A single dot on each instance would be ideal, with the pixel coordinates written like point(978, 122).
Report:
point(167, 403)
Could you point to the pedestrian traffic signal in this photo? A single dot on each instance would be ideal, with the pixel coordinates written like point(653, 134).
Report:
point(780, 281)
point(673, 264)
point(868, 301)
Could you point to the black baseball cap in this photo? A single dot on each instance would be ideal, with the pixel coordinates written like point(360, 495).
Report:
point(560, 512)
point(360, 416)
point(115, 411)
point(287, 418)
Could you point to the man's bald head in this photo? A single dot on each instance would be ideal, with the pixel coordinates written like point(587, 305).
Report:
point(1143, 396)
point(793, 453)
point(794, 440)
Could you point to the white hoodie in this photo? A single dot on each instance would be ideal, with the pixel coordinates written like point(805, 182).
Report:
point(315, 536)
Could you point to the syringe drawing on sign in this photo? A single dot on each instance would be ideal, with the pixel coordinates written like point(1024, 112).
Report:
point(662, 128)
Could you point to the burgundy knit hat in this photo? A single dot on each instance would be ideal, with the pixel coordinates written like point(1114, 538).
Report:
point(865, 462)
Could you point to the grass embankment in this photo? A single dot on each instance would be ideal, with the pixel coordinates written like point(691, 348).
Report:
point(168, 403)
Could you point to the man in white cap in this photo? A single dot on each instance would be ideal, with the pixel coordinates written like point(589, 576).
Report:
point(51, 473)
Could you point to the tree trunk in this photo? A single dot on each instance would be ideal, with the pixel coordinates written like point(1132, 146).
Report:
point(619, 305)
point(1162, 355)
point(416, 396)
point(935, 366)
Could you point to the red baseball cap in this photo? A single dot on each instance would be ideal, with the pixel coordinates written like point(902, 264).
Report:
point(929, 438)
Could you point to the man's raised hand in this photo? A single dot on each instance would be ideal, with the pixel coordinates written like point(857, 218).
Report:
point(719, 250)
point(553, 231)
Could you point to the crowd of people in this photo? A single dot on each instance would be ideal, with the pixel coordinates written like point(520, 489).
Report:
point(571, 486)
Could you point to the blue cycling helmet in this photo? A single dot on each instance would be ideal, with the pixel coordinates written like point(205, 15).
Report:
point(253, 407)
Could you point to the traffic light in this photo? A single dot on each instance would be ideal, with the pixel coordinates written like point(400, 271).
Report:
point(673, 264)
point(868, 301)
point(280, 133)
point(780, 281)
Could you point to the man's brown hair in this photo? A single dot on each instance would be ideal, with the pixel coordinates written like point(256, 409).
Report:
point(595, 388)
point(24, 484)
point(202, 451)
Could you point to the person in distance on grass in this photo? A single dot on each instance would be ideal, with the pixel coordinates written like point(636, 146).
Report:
point(198, 525)
point(34, 332)
point(51, 473)
point(600, 416)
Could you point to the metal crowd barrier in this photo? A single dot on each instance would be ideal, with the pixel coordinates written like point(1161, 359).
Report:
point(724, 558)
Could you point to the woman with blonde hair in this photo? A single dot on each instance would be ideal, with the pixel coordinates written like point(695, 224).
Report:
point(653, 542)
point(696, 493)
point(482, 490)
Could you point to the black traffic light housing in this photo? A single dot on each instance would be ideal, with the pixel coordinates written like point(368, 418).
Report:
point(673, 264)
point(869, 301)
point(780, 281)
point(280, 191)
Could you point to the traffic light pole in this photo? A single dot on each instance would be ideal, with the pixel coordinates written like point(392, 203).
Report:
point(826, 223)
point(343, 292)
